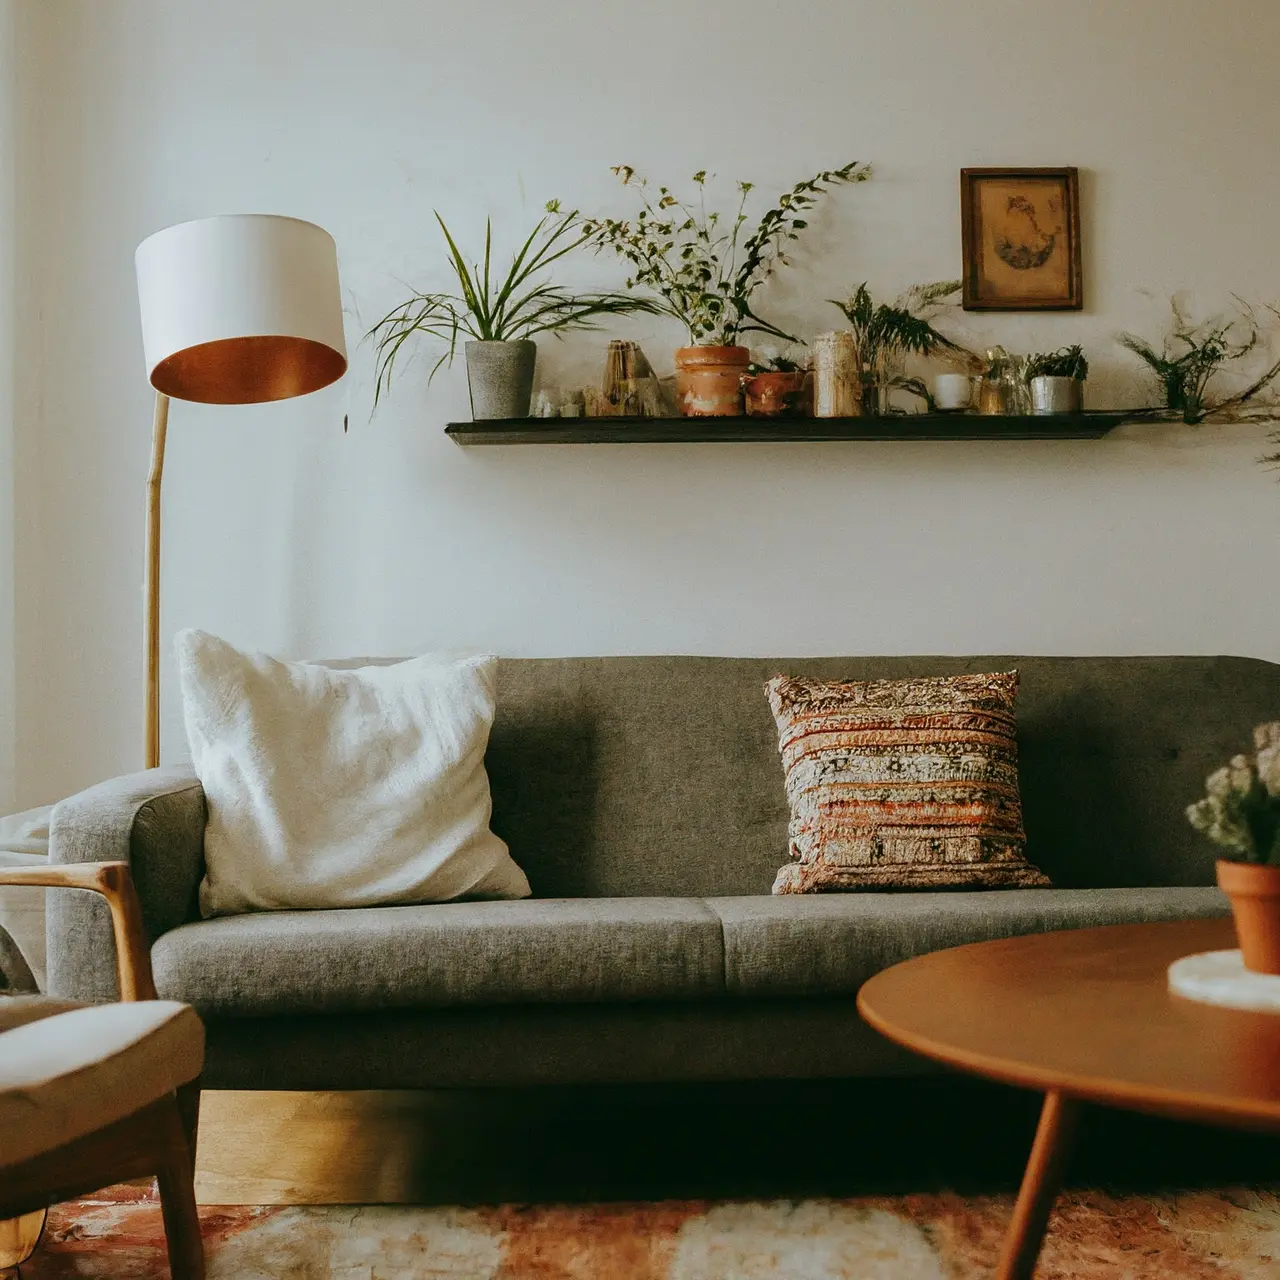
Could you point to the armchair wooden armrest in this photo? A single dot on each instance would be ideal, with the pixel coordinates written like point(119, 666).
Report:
point(114, 881)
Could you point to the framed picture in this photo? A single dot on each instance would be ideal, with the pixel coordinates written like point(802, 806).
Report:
point(1021, 231)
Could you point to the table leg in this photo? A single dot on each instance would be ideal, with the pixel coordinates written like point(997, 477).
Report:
point(1040, 1184)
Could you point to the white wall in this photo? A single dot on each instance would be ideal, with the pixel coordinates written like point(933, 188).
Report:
point(10, 109)
point(364, 115)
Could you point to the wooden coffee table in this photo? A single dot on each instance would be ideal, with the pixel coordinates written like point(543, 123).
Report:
point(1084, 1016)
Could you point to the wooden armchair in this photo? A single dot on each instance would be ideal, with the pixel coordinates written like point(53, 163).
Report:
point(95, 1094)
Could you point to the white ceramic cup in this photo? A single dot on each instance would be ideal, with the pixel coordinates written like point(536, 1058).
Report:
point(952, 390)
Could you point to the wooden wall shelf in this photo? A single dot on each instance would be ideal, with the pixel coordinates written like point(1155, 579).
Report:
point(918, 426)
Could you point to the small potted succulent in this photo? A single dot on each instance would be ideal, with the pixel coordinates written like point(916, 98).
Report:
point(774, 385)
point(704, 269)
point(1056, 379)
point(498, 316)
point(1241, 815)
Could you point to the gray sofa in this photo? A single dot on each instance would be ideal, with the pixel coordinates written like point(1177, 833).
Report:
point(644, 799)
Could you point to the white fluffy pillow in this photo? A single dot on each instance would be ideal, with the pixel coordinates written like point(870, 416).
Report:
point(341, 788)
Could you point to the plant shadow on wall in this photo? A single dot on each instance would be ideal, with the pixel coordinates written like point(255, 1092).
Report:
point(497, 314)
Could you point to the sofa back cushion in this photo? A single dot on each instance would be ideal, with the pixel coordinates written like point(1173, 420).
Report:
point(660, 776)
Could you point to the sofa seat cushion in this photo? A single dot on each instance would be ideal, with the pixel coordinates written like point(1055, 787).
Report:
point(441, 955)
point(831, 944)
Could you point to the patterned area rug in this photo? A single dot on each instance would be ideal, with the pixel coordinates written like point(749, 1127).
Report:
point(1226, 1235)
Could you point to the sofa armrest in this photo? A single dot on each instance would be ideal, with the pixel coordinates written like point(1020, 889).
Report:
point(154, 821)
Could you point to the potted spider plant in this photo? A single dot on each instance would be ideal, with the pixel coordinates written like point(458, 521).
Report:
point(1241, 815)
point(1056, 379)
point(497, 315)
point(704, 267)
point(885, 334)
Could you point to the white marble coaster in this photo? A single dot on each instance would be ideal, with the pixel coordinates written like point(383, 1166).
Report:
point(1219, 977)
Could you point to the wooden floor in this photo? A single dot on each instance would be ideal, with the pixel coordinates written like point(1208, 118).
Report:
point(688, 1142)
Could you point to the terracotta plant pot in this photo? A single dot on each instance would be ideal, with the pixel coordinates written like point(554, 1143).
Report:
point(773, 395)
point(1255, 903)
point(709, 381)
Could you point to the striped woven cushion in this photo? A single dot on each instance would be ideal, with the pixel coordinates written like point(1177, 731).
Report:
point(901, 784)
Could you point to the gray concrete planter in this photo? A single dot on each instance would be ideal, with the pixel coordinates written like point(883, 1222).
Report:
point(500, 377)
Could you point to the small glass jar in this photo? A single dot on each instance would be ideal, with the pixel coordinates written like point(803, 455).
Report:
point(996, 387)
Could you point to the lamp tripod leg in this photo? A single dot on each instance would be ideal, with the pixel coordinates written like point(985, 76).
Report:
point(151, 619)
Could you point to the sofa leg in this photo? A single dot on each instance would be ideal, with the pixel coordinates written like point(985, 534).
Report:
point(178, 1200)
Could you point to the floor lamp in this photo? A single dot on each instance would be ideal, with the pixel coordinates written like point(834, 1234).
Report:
point(238, 309)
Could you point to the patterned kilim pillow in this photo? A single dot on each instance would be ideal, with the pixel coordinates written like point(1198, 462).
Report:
point(901, 784)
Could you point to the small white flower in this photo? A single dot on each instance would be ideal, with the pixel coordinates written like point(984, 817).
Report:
point(1241, 774)
point(1218, 783)
point(1269, 769)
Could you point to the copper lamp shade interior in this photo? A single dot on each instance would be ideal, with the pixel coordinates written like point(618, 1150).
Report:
point(248, 370)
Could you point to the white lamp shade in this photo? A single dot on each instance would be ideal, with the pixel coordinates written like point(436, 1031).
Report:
point(240, 309)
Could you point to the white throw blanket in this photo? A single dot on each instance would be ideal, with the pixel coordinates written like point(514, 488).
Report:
point(24, 842)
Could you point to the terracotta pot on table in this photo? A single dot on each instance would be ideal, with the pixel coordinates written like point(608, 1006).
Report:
point(773, 395)
point(1254, 891)
point(709, 380)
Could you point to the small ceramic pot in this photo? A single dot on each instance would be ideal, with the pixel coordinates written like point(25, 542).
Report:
point(1255, 905)
point(709, 381)
point(773, 395)
point(500, 378)
point(1056, 395)
point(952, 392)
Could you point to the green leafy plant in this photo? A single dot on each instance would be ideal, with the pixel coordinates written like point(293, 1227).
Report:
point(770, 361)
point(491, 306)
point(884, 334)
point(1067, 362)
point(1191, 354)
point(704, 266)
point(1241, 812)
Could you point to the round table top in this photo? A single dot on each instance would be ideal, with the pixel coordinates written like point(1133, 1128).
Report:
point(1088, 1013)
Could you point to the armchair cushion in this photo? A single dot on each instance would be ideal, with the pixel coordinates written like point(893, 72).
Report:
point(64, 1076)
point(17, 1011)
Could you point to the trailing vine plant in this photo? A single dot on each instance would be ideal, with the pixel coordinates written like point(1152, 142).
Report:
point(705, 266)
